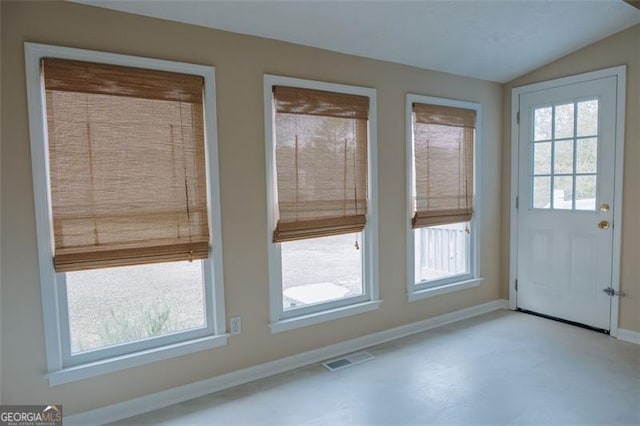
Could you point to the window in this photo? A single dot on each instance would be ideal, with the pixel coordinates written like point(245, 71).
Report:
point(127, 200)
point(320, 146)
point(442, 178)
point(565, 156)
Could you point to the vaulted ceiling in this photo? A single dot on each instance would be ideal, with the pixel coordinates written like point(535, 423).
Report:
point(495, 40)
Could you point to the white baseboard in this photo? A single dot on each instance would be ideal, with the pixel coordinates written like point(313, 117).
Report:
point(629, 336)
point(179, 394)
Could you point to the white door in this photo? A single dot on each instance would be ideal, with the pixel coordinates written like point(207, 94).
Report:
point(566, 174)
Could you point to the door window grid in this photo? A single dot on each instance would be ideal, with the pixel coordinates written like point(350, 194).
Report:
point(571, 169)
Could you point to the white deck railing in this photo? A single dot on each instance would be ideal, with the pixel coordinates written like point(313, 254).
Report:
point(442, 250)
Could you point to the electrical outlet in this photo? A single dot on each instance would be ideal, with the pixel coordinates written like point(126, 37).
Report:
point(235, 326)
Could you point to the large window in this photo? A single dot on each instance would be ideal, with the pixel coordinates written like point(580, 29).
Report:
point(443, 203)
point(320, 142)
point(125, 178)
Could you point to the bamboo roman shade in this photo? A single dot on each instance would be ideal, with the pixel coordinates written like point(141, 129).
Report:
point(321, 163)
point(126, 164)
point(443, 140)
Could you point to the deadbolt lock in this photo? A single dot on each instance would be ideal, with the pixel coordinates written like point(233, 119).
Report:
point(603, 224)
point(604, 207)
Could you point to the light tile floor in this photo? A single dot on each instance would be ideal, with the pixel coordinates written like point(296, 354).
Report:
point(500, 368)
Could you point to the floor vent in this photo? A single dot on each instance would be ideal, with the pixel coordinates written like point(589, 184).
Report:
point(348, 361)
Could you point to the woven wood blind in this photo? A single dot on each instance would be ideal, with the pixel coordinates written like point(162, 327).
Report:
point(321, 162)
point(127, 165)
point(443, 140)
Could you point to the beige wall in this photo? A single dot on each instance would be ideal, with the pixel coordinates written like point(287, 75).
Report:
point(621, 48)
point(240, 63)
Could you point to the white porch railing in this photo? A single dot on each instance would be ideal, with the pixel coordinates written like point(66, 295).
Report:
point(441, 251)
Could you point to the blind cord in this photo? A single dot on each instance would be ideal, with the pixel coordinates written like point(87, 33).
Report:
point(96, 237)
point(355, 174)
point(186, 184)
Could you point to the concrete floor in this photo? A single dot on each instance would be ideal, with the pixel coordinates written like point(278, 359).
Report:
point(499, 368)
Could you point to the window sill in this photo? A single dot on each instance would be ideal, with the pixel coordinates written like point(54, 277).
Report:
point(111, 365)
point(319, 317)
point(444, 289)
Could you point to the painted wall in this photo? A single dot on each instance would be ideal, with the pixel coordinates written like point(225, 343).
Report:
point(621, 48)
point(240, 63)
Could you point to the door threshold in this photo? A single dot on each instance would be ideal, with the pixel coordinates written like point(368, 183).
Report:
point(577, 324)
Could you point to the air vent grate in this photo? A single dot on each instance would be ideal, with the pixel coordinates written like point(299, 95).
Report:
point(347, 361)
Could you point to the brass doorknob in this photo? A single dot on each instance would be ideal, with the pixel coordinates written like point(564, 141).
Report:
point(603, 224)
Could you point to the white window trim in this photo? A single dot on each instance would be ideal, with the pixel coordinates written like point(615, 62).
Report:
point(426, 289)
point(59, 370)
point(321, 312)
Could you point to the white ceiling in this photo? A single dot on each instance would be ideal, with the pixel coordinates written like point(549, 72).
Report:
point(495, 40)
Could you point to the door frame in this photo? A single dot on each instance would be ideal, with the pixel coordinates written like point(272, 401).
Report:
point(620, 73)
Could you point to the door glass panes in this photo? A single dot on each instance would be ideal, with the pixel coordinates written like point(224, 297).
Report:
point(586, 192)
point(587, 155)
point(542, 158)
point(565, 156)
point(588, 118)
point(542, 124)
point(563, 121)
point(563, 192)
point(541, 192)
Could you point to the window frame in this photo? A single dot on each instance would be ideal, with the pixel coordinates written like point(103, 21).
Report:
point(62, 366)
point(425, 289)
point(283, 320)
